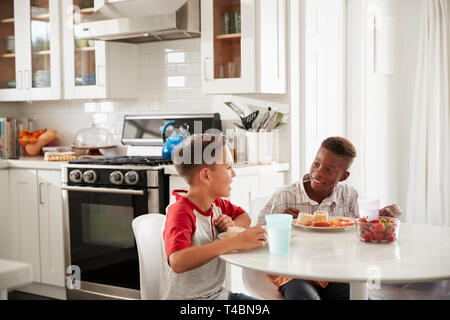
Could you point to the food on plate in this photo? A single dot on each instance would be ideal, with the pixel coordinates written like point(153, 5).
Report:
point(233, 231)
point(320, 215)
point(332, 222)
point(305, 219)
point(322, 224)
point(383, 230)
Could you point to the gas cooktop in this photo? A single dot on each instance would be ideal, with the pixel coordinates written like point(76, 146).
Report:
point(125, 160)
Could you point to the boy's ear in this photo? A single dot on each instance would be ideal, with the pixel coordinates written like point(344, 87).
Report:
point(344, 176)
point(204, 176)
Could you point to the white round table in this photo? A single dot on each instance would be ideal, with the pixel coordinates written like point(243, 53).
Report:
point(420, 254)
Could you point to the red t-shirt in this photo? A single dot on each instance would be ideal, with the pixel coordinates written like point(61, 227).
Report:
point(186, 225)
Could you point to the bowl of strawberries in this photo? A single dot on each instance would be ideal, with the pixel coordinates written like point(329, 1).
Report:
point(381, 230)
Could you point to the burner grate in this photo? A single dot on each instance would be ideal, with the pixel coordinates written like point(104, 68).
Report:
point(126, 160)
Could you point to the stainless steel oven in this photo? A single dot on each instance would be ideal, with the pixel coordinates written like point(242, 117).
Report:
point(101, 202)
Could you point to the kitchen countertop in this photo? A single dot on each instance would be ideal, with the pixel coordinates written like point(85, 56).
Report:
point(31, 163)
point(245, 169)
point(40, 163)
point(13, 274)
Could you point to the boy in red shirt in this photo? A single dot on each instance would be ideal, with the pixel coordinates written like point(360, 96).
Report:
point(190, 266)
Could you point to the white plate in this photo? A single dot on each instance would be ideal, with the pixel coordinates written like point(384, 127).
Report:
point(294, 223)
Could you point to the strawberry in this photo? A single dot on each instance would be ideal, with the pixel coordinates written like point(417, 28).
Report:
point(378, 236)
point(390, 229)
point(374, 221)
point(380, 227)
point(368, 237)
point(377, 227)
point(390, 237)
point(363, 219)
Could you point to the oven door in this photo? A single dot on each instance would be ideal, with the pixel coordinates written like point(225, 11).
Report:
point(101, 238)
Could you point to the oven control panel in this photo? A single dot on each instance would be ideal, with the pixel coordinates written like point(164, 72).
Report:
point(107, 177)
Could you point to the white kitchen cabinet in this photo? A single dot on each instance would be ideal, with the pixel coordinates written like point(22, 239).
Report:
point(51, 227)
point(30, 54)
point(5, 217)
point(36, 214)
point(25, 219)
point(95, 69)
point(243, 46)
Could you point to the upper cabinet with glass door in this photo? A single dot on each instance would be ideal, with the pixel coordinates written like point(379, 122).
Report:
point(30, 50)
point(8, 74)
point(243, 46)
point(95, 69)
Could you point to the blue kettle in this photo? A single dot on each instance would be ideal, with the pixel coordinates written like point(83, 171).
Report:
point(180, 132)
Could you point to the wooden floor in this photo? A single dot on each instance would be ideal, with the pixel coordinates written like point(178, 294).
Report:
point(413, 291)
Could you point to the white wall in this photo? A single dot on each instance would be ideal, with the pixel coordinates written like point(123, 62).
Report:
point(409, 25)
point(156, 94)
point(380, 105)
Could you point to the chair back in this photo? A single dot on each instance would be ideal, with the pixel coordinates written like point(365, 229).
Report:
point(147, 232)
point(259, 285)
point(256, 207)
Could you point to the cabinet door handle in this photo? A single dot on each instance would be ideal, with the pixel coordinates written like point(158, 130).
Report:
point(40, 193)
point(100, 76)
point(19, 80)
point(206, 69)
point(27, 79)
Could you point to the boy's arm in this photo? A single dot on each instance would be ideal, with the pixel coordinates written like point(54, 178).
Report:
point(195, 257)
point(224, 221)
point(243, 220)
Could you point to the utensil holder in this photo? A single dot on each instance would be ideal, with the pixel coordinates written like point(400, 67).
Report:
point(252, 147)
point(265, 147)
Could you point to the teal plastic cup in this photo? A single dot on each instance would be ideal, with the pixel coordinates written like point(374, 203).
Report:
point(279, 233)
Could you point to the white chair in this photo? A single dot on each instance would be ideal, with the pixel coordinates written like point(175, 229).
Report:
point(258, 285)
point(255, 208)
point(147, 231)
point(256, 282)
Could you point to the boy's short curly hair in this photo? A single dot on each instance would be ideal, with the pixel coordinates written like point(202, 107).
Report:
point(340, 146)
point(196, 152)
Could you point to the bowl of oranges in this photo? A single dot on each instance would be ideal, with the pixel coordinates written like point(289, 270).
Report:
point(34, 141)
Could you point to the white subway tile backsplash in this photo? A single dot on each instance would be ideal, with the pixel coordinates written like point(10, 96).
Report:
point(152, 82)
point(188, 69)
point(176, 57)
point(193, 57)
point(107, 106)
point(194, 81)
point(176, 82)
point(156, 59)
point(100, 118)
point(91, 107)
point(187, 93)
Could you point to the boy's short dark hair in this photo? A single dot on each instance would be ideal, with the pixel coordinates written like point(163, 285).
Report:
point(340, 146)
point(189, 156)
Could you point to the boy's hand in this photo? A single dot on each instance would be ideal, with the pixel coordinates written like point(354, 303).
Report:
point(223, 222)
point(251, 238)
point(293, 212)
point(392, 211)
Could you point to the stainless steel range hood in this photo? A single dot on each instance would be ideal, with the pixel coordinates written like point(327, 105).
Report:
point(139, 21)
